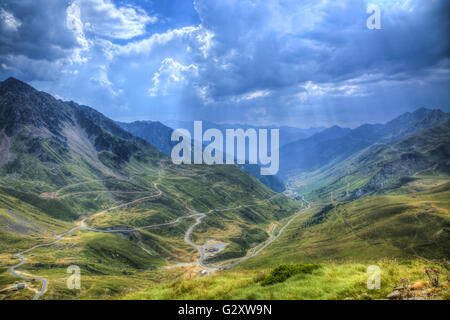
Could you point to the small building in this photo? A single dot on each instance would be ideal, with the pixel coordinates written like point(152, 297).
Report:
point(203, 272)
point(21, 286)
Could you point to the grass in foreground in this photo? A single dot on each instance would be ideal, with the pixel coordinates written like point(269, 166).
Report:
point(328, 282)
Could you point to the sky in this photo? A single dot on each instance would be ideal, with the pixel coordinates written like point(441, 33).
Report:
point(260, 62)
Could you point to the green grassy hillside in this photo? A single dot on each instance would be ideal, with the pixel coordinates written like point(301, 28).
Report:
point(397, 225)
point(64, 165)
point(402, 232)
point(379, 168)
point(329, 282)
point(139, 220)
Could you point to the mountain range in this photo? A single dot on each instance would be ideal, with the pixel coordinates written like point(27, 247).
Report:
point(319, 150)
point(69, 161)
point(77, 188)
point(336, 144)
point(159, 135)
point(287, 134)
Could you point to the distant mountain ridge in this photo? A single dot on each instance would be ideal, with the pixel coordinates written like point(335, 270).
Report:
point(154, 132)
point(287, 134)
point(323, 149)
point(383, 166)
point(336, 144)
point(159, 135)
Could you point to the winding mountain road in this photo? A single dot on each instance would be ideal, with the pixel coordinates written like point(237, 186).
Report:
point(19, 255)
point(228, 266)
point(198, 219)
point(59, 237)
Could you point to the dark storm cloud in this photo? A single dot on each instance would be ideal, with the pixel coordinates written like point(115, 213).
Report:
point(258, 51)
point(41, 33)
point(309, 62)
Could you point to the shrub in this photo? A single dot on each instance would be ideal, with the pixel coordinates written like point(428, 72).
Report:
point(285, 271)
point(434, 279)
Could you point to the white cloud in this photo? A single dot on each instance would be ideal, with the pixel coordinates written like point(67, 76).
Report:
point(171, 72)
point(205, 41)
point(147, 45)
point(349, 88)
point(203, 93)
point(252, 95)
point(101, 78)
point(103, 18)
point(398, 5)
point(74, 23)
point(8, 20)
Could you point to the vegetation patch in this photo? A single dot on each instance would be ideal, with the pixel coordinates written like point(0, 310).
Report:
point(320, 216)
point(285, 271)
